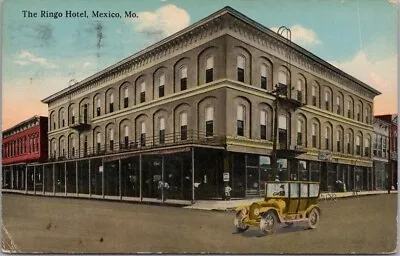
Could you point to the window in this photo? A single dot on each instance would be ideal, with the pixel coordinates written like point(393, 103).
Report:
point(327, 96)
point(338, 105)
point(282, 77)
point(327, 133)
point(161, 86)
point(209, 121)
point(264, 76)
point(162, 130)
point(358, 146)
point(209, 69)
point(183, 126)
point(348, 138)
point(142, 92)
point(240, 121)
point(282, 131)
point(62, 119)
point(314, 135)
point(72, 115)
point(358, 113)
point(98, 141)
point(241, 63)
point(299, 90)
point(338, 136)
point(126, 136)
point(367, 115)
point(263, 125)
point(299, 135)
point(314, 95)
point(98, 107)
point(73, 146)
point(183, 78)
point(143, 134)
point(111, 102)
point(366, 147)
point(349, 103)
point(126, 98)
point(111, 139)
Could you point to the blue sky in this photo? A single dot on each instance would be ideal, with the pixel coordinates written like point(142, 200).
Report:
point(41, 55)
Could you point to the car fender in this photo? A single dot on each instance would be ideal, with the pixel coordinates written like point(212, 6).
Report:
point(312, 207)
point(269, 208)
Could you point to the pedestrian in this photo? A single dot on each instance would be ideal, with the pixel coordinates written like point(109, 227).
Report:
point(228, 190)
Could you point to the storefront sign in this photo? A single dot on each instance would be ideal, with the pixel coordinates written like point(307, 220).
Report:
point(226, 176)
point(324, 156)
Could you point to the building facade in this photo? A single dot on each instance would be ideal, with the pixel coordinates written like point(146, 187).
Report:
point(380, 152)
point(23, 143)
point(196, 110)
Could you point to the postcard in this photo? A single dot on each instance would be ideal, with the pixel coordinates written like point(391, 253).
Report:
point(176, 126)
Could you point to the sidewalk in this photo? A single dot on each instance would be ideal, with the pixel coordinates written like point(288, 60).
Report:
point(219, 205)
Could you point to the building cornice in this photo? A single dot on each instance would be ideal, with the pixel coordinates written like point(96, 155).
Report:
point(234, 22)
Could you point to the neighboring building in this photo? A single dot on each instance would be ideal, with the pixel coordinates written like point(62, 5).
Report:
point(201, 100)
point(380, 152)
point(392, 175)
point(23, 143)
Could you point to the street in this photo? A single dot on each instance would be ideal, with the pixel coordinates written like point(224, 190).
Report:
point(60, 225)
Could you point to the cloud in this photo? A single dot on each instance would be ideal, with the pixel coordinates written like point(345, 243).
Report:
point(25, 57)
point(161, 23)
point(302, 36)
point(380, 74)
point(86, 64)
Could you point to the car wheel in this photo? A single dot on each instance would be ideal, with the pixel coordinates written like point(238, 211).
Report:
point(239, 224)
point(268, 222)
point(313, 218)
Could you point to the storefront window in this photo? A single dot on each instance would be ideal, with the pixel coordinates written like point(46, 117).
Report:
point(282, 170)
point(303, 171)
point(315, 171)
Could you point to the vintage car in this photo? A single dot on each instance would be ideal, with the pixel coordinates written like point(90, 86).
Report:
point(285, 202)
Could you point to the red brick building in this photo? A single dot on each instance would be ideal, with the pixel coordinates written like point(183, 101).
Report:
point(23, 143)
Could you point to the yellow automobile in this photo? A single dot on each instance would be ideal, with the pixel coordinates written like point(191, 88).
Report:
point(285, 202)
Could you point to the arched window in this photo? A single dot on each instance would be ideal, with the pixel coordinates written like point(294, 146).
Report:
point(263, 124)
point(241, 64)
point(282, 77)
point(184, 126)
point(358, 145)
point(209, 121)
point(183, 78)
point(72, 115)
point(126, 97)
point(62, 118)
point(142, 92)
point(367, 147)
point(162, 130)
point(98, 142)
point(161, 86)
point(111, 102)
point(338, 107)
point(143, 134)
point(299, 95)
point(98, 105)
point(299, 132)
point(111, 139)
point(282, 130)
point(209, 69)
point(72, 147)
point(314, 95)
point(338, 140)
point(327, 136)
point(126, 136)
point(263, 71)
point(240, 121)
point(327, 99)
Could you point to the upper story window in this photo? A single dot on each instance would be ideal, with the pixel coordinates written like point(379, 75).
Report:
point(240, 120)
point(162, 130)
point(264, 83)
point(209, 69)
point(73, 146)
point(161, 86)
point(184, 126)
point(314, 95)
point(348, 142)
point(62, 118)
point(209, 121)
point(367, 115)
point(327, 135)
point(73, 115)
point(338, 105)
point(299, 133)
point(282, 130)
point(349, 107)
point(98, 141)
point(98, 109)
point(299, 95)
point(126, 98)
point(366, 147)
point(241, 64)
point(358, 145)
point(183, 78)
point(143, 134)
point(282, 78)
point(111, 102)
point(263, 124)
point(338, 139)
point(126, 136)
point(327, 99)
point(314, 135)
point(358, 113)
point(142, 92)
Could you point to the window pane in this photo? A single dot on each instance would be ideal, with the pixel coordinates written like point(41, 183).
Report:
point(282, 77)
point(183, 72)
point(183, 119)
point(209, 75)
point(183, 84)
point(263, 70)
point(162, 123)
point(210, 114)
point(263, 117)
point(210, 62)
point(162, 79)
point(209, 128)
point(240, 113)
point(143, 87)
point(240, 62)
point(282, 122)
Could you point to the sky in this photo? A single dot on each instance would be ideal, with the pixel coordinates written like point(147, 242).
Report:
point(43, 55)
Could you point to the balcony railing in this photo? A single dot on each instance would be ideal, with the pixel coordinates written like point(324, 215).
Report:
point(82, 123)
point(148, 142)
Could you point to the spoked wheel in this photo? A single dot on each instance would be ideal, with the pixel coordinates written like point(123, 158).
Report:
point(239, 224)
point(268, 222)
point(313, 218)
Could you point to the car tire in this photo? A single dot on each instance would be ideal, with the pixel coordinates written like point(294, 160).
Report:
point(313, 218)
point(239, 224)
point(268, 222)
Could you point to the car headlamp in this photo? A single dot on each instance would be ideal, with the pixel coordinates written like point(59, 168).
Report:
point(256, 212)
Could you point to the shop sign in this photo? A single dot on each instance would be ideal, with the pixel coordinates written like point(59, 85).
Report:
point(324, 156)
point(226, 176)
